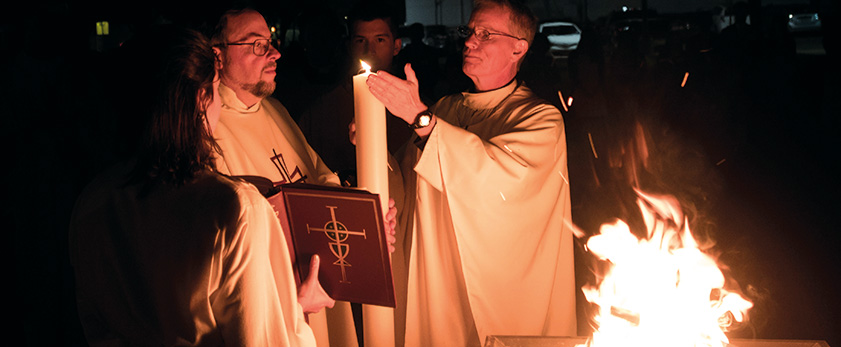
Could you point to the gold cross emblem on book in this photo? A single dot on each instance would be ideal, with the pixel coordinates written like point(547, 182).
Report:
point(338, 234)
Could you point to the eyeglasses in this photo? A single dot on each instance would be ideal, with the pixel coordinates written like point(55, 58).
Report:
point(482, 34)
point(260, 46)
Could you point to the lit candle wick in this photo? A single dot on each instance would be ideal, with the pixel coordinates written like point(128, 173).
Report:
point(365, 67)
point(372, 175)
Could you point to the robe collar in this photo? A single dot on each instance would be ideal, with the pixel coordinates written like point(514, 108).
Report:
point(489, 99)
point(232, 102)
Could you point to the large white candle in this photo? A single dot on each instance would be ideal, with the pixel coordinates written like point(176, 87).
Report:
point(371, 145)
point(372, 175)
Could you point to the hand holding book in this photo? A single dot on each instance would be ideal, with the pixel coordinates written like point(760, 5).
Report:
point(311, 295)
point(346, 228)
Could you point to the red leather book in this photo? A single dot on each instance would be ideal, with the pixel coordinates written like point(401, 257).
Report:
point(345, 227)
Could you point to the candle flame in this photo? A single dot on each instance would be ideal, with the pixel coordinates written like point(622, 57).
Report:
point(685, 77)
point(365, 66)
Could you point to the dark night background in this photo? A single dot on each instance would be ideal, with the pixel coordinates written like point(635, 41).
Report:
point(750, 145)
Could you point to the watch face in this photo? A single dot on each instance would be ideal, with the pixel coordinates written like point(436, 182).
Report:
point(424, 120)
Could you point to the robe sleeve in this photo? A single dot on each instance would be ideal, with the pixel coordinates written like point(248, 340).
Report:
point(256, 302)
point(507, 165)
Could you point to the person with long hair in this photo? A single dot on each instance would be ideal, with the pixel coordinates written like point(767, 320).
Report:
point(167, 251)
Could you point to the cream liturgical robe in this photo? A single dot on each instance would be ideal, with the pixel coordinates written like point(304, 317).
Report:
point(491, 249)
point(264, 140)
point(203, 264)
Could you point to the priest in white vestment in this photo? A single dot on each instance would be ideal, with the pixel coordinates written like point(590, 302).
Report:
point(487, 196)
point(258, 137)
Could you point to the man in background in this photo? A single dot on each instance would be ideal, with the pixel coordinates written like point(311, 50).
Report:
point(373, 39)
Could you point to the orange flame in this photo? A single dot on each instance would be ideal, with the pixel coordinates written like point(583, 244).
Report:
point(365, 67)
point(661, 290)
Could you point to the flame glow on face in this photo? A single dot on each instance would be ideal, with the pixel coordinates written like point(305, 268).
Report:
point(661, 290)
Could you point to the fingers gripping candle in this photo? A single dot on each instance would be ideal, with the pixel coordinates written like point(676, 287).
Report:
point(372, 175)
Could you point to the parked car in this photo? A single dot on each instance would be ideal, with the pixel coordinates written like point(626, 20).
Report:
point(563, 37)
point(803, 22)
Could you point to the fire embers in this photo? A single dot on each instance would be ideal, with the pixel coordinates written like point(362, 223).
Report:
point(661, 290)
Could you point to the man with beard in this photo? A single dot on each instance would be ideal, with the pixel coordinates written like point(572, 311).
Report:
point(258, 137)
point(255, 132)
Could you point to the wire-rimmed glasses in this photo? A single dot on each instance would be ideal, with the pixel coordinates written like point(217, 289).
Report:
point(482, 34)
point(260, 46)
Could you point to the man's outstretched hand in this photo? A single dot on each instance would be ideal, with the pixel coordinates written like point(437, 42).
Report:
point(400, 97)
point(311, 295)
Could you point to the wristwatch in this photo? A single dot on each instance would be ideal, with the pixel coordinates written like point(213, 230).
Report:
point(422, 120)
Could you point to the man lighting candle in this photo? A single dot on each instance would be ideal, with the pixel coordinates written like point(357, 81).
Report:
point(487, 195)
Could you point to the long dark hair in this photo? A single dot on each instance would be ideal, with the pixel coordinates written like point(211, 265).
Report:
point(169, 87)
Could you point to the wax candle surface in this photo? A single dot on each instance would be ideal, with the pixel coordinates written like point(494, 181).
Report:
point(372, 175)
point(371, 144)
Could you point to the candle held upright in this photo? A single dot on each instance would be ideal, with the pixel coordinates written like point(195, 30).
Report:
point(372, 175)
point(371, 144)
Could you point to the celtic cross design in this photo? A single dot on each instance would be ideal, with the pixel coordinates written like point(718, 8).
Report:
point(338, 234)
